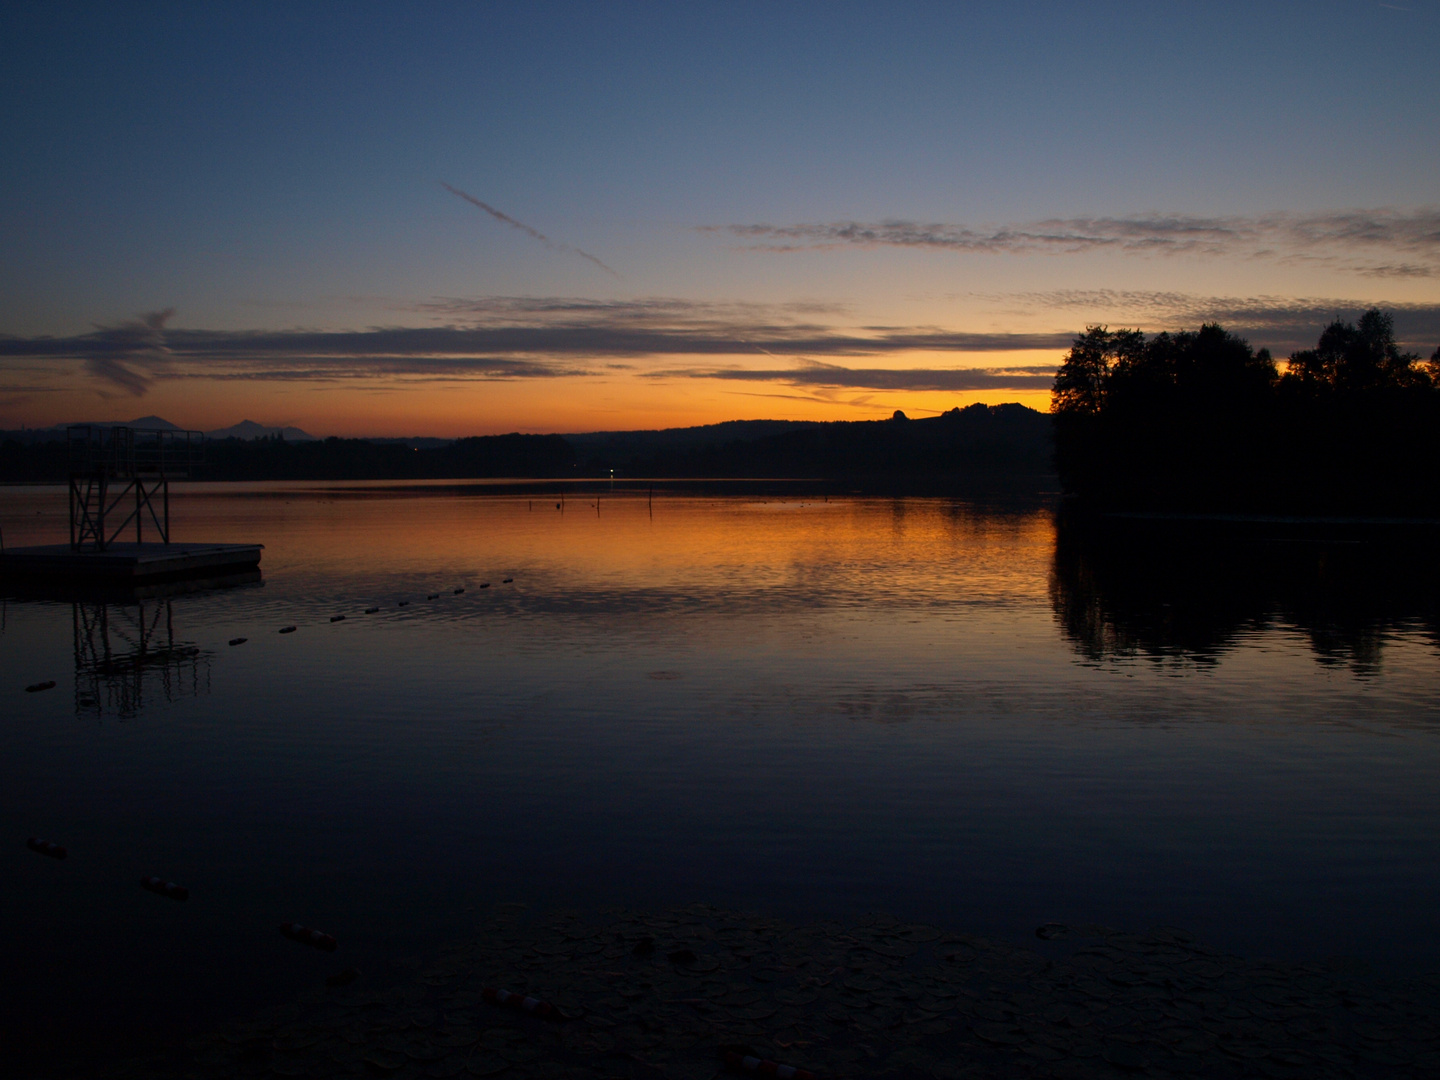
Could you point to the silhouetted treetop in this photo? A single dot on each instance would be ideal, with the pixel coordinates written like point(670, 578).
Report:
point(1358, 358)
point(1200, 420)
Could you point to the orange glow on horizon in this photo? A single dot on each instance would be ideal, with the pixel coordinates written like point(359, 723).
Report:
point(400, 407)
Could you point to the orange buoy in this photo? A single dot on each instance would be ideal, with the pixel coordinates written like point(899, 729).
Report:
point(306, 936)
point(34, 688)
point(165, 888)
point(512, 1000)
point(46, 847)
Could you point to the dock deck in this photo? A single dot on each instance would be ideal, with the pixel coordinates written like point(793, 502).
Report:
point(129, 563)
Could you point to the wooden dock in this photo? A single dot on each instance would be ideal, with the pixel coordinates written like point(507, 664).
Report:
point(123, 564)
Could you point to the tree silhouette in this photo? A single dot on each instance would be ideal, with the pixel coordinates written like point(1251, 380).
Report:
point(1198, 420)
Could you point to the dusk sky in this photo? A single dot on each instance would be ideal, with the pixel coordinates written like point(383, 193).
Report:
point(430, 219)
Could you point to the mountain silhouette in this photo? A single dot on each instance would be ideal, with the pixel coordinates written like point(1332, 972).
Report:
point(249, 429)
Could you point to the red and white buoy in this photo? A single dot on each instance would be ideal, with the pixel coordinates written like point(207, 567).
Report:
point(46, 847)
point(165, 888)
point(519, 1001)
point(306, 936)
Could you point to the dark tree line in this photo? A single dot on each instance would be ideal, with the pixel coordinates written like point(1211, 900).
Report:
point(1201, 421)
point(979, 448)
point(330, 459)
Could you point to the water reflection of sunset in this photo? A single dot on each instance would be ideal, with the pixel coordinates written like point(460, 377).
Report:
point(841, 551)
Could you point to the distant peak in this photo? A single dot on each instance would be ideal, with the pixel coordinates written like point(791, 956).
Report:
point(251, 429)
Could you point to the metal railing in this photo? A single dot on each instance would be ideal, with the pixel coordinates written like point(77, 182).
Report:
point(125, 452)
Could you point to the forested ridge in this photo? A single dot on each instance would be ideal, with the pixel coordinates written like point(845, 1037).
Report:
point(981, 447)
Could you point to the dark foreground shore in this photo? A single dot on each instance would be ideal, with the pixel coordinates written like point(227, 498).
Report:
point(652, 996)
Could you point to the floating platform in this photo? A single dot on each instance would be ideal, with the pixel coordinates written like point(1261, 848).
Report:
point(129, 564)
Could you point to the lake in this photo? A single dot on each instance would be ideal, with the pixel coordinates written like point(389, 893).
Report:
point(976, 715)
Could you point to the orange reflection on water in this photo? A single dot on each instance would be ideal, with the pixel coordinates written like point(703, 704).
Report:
point(844, 548)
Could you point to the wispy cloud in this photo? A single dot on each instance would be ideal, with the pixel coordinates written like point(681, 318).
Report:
point(1280, 323)
point(810, 346)
point(833, 376)
point(1333, 237)
point(553, 245)
point(506, 338)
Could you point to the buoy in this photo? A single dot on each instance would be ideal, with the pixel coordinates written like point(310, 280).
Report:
point(238, 640)
point(519, 1001)
point(46, 847)
point(433, 596)
point(404, 603)
point(507, 581)
point(460, 590)
point(314, 938)
point(343, 978)
point(333, 618)
point(165, 888)
point(371, 610)
point(34, 688)
point(750, 1063)
point(287, 629)
point(484, 584)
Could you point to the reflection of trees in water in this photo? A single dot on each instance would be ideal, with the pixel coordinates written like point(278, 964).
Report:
point(127, 656)
point(1190, 590)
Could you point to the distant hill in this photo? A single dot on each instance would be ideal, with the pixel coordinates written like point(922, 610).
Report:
point(989, 446)
point(632, 443)
point(249, 429)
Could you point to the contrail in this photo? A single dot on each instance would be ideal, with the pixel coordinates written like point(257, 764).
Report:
point(499, 215)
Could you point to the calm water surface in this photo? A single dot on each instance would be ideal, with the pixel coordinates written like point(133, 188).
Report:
point(953, 712)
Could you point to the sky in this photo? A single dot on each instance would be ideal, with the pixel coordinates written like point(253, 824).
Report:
point(464, 219)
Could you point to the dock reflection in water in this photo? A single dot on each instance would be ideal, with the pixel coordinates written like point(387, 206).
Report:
point(128, 656)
